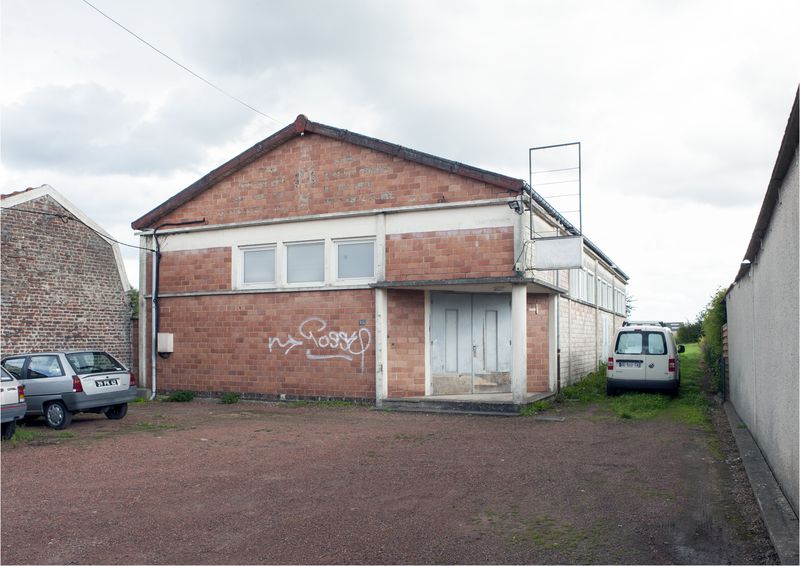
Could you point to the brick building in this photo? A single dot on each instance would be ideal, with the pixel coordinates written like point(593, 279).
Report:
point(324, 263)
point(63, 285)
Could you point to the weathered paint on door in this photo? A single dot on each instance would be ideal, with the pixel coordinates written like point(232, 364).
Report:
point(470, 343)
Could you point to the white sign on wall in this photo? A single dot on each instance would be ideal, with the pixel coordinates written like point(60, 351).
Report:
point(562, 252)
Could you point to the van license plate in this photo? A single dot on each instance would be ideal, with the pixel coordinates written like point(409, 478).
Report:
point(106, 382)
point(626, 364)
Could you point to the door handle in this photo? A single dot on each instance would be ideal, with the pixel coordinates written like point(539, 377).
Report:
point(474, 349)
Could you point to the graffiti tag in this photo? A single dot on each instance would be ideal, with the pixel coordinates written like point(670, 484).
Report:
point(336, 344)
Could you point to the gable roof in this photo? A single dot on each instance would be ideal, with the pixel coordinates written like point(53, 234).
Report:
point(786, 153)
point(20, 197)
point(303, 125)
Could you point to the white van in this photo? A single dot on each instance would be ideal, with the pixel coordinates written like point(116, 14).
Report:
point(644, 356)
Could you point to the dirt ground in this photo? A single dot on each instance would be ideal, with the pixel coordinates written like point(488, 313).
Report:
point(203, 482)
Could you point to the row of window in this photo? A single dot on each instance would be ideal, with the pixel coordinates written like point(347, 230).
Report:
point(585, 286)
point(303, 263)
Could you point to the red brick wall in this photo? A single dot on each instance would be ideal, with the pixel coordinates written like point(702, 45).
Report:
point(193, 271)
point(406, 322)
point(222, 343)
point(482, 252)
point(313, 174)
point(61, 288)
point(538, 344)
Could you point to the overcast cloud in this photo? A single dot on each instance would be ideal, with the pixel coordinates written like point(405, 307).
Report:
point(680, 106)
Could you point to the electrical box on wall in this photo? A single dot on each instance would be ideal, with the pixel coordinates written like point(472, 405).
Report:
point(165, 344)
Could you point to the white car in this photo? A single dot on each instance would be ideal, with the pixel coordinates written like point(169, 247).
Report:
point(12, 403)
point(644, 357)
point(59, 384)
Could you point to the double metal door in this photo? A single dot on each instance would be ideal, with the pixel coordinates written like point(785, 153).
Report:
point(470, 343)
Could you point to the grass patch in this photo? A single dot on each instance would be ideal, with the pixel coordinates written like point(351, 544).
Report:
point(590, 389)
point(24, 435)
point(180, 397)
point(691, 406)
point(141, 399)
point(536, 407)
point(230, 398)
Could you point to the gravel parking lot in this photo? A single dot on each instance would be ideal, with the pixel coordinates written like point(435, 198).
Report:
point(203, 482)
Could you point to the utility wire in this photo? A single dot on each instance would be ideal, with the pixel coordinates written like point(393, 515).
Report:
point(68, 217)
point(184, 67)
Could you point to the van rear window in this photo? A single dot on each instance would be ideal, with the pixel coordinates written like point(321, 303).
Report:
point(641, 343)
point(93, 362)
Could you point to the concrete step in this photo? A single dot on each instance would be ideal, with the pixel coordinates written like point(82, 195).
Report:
point(452, 407)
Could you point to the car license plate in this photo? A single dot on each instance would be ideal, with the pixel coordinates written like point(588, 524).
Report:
point(629, 364)
point(106, 382)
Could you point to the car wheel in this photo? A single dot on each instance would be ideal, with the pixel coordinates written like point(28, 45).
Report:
point(116, 412)
point(8, 429)
point(610, 391)
point(57, 416)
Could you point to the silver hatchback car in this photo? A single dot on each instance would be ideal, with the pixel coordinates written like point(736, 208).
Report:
point(58, 384)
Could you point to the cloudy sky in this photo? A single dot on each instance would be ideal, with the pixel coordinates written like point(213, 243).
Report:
point(679, 106)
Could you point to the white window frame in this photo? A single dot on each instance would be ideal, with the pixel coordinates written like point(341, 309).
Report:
point(241, 250)
point(325, 264)
point(334, 275)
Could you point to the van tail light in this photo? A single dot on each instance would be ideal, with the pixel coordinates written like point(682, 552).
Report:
point(610, 364)
point(21, 392)
point(133, 379)
point(672, 365)
point(77, 386)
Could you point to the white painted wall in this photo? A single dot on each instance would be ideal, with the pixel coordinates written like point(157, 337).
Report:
point(763, 340)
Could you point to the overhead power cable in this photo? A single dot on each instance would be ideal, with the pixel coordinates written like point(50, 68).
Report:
point(67, 218)
point(182, 66)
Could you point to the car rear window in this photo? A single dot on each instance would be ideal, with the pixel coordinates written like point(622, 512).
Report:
point(641, 343)
point(93, 362)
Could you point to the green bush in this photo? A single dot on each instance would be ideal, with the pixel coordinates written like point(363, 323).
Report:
point(180, 397)
point(689, 332)
point(230, 398)
point(713, 318)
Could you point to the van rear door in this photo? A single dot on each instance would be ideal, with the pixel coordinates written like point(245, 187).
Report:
point(629, 358)
point(656, 360)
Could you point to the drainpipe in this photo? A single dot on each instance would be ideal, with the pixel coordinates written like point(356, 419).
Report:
point(155, 310)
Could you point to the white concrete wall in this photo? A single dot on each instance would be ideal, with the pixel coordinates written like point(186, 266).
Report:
point(763, 340)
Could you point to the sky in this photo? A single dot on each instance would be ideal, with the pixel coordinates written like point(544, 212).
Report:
point(680, 106)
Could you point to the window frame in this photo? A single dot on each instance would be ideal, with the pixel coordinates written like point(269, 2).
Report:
point(335, 243)
point(242, 250)
point(285, 269)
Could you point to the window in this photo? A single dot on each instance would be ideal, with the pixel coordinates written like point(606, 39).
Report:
point(44, 366)
point(93, 362)
point(656, 345)
point(638, 343)
point(14, 366)
point(258, 265)
point(629, 343)
point(305, 262)
point(355, 259)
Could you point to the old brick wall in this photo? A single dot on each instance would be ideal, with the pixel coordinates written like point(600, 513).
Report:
point(314, 174)
point(406, 327)
point(538, 344)
point(61, 287)
point(207, 269)
point(454, 254)
point(300, 344)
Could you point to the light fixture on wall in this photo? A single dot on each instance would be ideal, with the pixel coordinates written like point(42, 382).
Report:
point(516, 206)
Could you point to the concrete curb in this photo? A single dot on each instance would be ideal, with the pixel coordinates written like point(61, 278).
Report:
point(779, 518)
